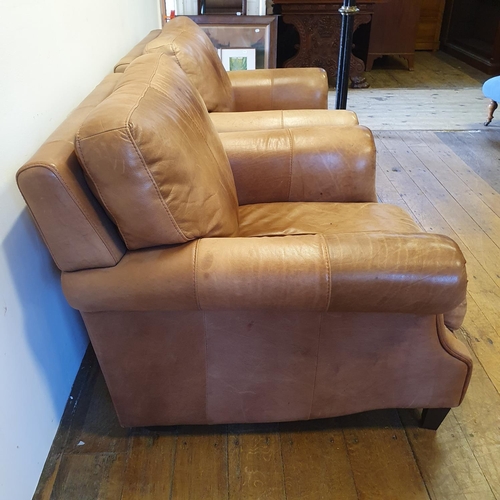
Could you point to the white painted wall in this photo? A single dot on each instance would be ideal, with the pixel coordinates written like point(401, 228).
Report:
point(52, 54)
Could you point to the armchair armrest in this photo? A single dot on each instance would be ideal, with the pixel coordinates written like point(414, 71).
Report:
point(276, 119)
point(284, 88)
point(354, 272)
point(303, 164)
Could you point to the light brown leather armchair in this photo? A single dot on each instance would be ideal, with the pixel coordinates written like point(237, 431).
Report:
point(244, 100)
point(246, 277)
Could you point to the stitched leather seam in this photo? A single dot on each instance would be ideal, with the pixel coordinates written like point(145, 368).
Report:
point(195, 265)
point(171, 46)
point(317, 363)
point(326, 256)
point(103, 201)
point(80, 139)
point(289, 134)
point(456, 355)
point(175, 55)
point(157, 189)
point(75, 200)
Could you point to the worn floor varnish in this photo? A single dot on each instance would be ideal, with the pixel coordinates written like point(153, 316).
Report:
point(450, 183)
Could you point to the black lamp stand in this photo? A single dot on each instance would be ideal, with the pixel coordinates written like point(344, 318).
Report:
point(348, 11)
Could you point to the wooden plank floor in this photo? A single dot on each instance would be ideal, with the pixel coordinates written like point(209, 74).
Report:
point(432, 71)
point(438, 95)
point(450, 187)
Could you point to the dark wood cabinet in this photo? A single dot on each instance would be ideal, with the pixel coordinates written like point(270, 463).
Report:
point(471, 33)
point(429, 25)
point(394, 31)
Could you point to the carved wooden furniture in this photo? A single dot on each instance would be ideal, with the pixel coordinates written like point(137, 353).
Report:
point(318, 24)
point(471, 32)
point(429, 25)
point(394, 31)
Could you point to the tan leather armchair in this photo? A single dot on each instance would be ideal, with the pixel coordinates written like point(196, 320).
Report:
point(246, 277)
point(244, 100)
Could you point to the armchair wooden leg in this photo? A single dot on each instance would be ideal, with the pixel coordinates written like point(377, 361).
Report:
point(433, 417)
point(491, 109)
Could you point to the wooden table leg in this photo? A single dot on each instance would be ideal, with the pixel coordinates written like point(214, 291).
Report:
point(491, 109)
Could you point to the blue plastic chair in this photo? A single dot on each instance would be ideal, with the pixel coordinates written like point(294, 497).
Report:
point(491, 89)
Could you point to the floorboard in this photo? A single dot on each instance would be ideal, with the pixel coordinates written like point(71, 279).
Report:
point(255, 463)
point(450, 183)
point(316, 463)
point(479, 151)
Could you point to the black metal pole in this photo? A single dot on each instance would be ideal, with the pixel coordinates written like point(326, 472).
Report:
point(347, 11)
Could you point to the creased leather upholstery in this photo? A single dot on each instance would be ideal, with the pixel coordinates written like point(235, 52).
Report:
point(308, 300)
point(266, 366)
point(276, 93)
point(320, 266)
point(281, 119)
point(186, 43)
point(282, 88)
point(153, 143)
point(262, 89)
point(73, 225)
point(302, 164)
point(350, 272)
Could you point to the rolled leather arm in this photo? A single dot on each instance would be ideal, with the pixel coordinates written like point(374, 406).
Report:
point(354, 272)
point(278, 119)
point(284, 88)
point(303, 164)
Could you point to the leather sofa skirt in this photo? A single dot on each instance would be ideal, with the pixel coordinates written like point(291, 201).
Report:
point(213, 367)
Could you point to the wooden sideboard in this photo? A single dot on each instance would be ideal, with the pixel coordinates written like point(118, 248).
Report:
point(429, 25)
point(394, 31)
point(318, 23)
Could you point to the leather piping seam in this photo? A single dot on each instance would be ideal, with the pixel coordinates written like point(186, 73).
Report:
point(141, 158)
point(157, 189)
point(195, 266)
point(172, 49)
point(317, 363)
point(290, 166)
point(80, 139)
point(75, 200)
point(456, 355)
point(103, 201)
point(326, 256)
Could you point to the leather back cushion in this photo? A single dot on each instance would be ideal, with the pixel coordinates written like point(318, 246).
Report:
point(192, 50)
point(155, 161)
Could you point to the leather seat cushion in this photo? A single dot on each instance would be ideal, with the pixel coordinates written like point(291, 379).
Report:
point(271, 219)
